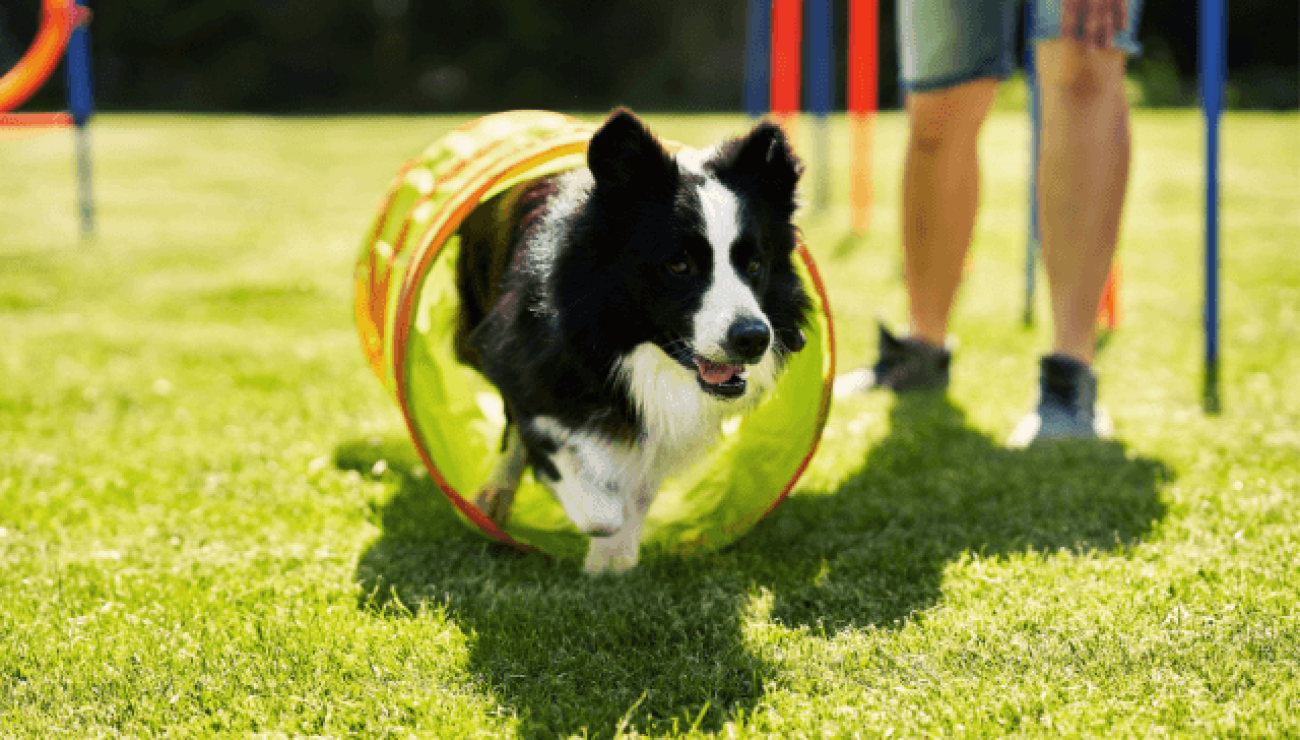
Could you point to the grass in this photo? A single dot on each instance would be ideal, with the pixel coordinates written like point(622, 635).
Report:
point(193, 540)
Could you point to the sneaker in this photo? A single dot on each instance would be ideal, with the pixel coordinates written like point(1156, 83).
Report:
point(904, 365)
point(1067, 405)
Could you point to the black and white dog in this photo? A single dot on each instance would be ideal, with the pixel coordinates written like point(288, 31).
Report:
point(624, 311)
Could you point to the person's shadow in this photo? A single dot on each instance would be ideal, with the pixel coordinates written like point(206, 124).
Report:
point(874, 551)
point(666, 645)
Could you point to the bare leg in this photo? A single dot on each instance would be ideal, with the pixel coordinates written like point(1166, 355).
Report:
point(1083, 173)
point(940, 196)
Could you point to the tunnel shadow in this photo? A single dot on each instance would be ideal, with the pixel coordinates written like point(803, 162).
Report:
point(567, 653)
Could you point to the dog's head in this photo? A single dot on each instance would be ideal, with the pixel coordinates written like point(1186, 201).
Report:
point(700, 248)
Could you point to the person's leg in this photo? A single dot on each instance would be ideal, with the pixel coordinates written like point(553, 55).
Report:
point(940, 197)
point(1083, 176)
point(952, 53)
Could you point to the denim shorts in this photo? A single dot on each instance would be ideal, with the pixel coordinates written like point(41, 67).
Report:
point(946, 42)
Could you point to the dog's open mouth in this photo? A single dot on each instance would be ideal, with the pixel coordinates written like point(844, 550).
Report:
point(719, 378)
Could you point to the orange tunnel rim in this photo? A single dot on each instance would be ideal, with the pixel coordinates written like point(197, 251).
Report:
point(58, 20)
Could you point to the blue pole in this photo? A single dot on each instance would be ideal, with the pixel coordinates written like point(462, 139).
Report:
point(1212, 62)
point(1035, 125)
point(81, 105)
point(821, 77)
point(758, 58)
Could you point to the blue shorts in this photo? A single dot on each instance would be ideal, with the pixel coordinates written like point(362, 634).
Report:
point(946, 42)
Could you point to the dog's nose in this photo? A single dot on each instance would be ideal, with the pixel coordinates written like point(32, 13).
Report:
point(748, 338)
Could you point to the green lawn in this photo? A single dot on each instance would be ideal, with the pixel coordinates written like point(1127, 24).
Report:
point(193, 541)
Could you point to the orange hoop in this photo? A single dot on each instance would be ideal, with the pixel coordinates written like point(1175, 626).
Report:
point(60, 17)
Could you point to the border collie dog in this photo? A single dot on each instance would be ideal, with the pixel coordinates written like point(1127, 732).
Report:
point(623, 311)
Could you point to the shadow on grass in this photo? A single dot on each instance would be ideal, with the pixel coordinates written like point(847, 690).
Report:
point(874, 551)
point(562, 651)
point(565, 652)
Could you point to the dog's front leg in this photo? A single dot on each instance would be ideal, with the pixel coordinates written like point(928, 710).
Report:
point(621, 551)
point(593, 503)
point(583, 471)
point(497, 494)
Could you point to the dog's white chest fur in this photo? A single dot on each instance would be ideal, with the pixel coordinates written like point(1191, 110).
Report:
point(680, 422)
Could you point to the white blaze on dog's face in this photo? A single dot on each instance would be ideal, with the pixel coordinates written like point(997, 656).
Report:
point(729, 308)
point(730, 336)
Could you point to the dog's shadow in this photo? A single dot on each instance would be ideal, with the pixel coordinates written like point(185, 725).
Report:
point(561, 651)
point(666, 645)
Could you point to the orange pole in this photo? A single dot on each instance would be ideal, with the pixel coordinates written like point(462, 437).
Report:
point(1108, 314)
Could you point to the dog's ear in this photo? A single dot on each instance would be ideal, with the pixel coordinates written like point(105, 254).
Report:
point(763, 162)
point(623, 152)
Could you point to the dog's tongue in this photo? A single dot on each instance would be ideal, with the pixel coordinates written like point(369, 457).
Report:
point(715, 372)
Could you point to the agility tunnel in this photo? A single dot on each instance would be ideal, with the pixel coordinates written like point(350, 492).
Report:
point(406, 305)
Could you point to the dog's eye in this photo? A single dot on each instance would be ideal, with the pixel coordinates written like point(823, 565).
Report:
point(679, 266)
point(755, 268)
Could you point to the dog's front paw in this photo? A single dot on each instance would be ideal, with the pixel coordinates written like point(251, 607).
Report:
point(611, 555)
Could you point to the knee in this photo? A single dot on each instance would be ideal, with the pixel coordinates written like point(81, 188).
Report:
point(942, 136)
point(1076, 73)
point(947, 119)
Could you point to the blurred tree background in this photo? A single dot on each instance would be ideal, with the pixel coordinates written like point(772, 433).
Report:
point(320, 56)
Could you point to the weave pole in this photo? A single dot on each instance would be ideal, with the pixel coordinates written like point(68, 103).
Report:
point(773, 32)
point(81, 104)
point(864, 25)
point(1035, 131)
point(758, 56)
point(1213, 33)
point(787, 36)
point(821, 81)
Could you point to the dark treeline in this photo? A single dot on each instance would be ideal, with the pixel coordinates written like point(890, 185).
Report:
point(478, 55)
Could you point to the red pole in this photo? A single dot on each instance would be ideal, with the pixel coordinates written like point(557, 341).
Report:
point(864, 35)
point(787, 33)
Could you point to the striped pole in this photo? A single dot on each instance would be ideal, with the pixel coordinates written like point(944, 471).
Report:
point(821, 76)
point(758, 53)
point(1212, 62)
point(864, 22)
